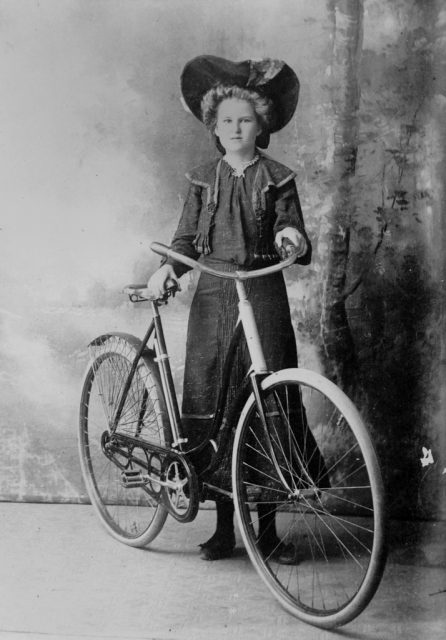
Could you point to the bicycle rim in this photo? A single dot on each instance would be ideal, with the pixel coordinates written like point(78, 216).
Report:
point(130, 514)
point(319, 473)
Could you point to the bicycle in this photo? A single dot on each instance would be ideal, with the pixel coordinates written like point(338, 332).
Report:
point(300, 446)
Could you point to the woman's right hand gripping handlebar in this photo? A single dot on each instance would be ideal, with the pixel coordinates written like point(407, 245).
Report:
point(163, 279)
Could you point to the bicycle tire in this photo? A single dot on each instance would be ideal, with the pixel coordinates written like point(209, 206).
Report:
point(130, 515)
point(334, 515)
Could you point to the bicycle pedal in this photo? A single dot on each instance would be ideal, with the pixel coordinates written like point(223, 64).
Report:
point(133, 478)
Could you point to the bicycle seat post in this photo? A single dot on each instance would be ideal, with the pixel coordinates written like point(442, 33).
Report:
point(162, 359)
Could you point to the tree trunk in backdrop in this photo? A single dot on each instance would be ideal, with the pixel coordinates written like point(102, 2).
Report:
point(337, 342)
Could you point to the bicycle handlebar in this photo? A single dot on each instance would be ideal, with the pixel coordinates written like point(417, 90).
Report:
point(162, 250)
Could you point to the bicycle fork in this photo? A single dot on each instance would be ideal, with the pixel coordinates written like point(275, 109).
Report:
point(258, 372)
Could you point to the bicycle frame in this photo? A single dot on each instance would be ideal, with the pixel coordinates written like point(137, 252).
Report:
point(300, 450)
point(246, 324)
point(162, 359)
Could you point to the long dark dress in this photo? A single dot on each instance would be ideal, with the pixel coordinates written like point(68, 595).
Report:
point(234, 234)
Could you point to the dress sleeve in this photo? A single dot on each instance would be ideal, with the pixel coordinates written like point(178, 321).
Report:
point(289, 214)
point(187, 229)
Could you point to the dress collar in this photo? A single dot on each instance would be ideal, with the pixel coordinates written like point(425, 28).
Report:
point(239, 172)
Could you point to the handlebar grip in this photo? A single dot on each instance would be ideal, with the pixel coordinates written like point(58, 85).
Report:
point(286, 249)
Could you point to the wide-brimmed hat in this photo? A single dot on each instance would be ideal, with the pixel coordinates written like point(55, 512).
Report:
point(273, 79)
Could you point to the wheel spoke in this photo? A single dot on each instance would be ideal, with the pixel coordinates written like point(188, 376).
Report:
point(333, 518)
point(131, 514)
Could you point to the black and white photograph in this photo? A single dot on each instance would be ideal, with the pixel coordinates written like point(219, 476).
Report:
point(222, 319)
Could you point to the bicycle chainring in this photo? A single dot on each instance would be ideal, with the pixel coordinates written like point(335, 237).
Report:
point(180, 495)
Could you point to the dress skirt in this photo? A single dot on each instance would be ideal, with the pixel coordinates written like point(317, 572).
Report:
point(212, 320)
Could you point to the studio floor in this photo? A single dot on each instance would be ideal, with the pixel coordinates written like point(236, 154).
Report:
point(63, 577)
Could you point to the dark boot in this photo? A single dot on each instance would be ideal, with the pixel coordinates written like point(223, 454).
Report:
point(221, 544)
point(269, 542)
point(267, 537)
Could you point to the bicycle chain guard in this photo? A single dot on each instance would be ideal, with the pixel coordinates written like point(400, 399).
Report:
point(165, 475)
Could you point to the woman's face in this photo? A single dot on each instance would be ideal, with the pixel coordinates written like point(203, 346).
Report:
point(237, 126)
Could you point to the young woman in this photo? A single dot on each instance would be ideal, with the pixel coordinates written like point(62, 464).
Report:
point(238, 210)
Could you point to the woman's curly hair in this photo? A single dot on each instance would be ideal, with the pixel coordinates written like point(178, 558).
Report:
point(263, 107)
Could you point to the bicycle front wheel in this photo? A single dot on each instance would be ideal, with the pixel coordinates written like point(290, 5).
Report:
point(317, 471)
point(128, 510)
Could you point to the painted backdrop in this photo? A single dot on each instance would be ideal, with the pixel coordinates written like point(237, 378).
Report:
point(94, 145)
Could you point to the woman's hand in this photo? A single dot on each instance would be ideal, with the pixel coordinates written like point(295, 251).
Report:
point(296, 239)
point(162, 278)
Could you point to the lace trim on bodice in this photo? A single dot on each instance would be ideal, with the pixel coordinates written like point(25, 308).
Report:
point(239, 172)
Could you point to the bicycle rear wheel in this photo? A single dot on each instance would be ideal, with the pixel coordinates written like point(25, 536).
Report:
point(318, 472)
point(131, 514)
